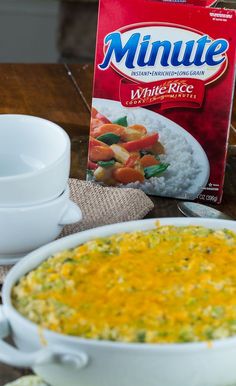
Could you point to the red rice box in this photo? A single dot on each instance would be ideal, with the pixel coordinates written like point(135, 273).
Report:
point(161, 108)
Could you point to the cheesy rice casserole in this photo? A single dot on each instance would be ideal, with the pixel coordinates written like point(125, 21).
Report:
point(169, 284)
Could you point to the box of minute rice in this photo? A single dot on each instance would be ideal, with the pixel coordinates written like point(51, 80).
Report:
point(162, 99)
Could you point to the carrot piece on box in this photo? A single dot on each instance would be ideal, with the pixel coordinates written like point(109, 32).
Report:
point(100, 153)
point(126, 175)
point(148, 160)
point(109, 128)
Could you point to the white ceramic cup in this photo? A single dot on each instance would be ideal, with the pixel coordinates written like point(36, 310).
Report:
point(25, 228)
point(34, 160)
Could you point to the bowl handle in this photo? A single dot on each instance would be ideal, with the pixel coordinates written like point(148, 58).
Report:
point(71, 215)
point(55, 355)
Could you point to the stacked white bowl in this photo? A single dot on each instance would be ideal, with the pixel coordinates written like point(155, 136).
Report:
point(34, 192)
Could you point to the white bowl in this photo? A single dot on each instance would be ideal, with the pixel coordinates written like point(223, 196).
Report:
point(65, 360)
point(28, 227)
point(34, 160)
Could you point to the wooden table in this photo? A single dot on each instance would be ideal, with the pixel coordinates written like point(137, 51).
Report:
point(62, 93)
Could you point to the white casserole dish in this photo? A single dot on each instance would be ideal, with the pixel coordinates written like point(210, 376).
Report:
point(65, 360)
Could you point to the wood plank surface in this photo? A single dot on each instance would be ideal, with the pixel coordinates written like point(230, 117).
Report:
point(48, 92)
point(42, 90)
point(83, 76)
point(10, 374)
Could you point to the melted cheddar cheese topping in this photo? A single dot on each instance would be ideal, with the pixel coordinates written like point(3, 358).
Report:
point(169, 284)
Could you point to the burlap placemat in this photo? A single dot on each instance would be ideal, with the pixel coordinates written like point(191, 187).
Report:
point(101, 206)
